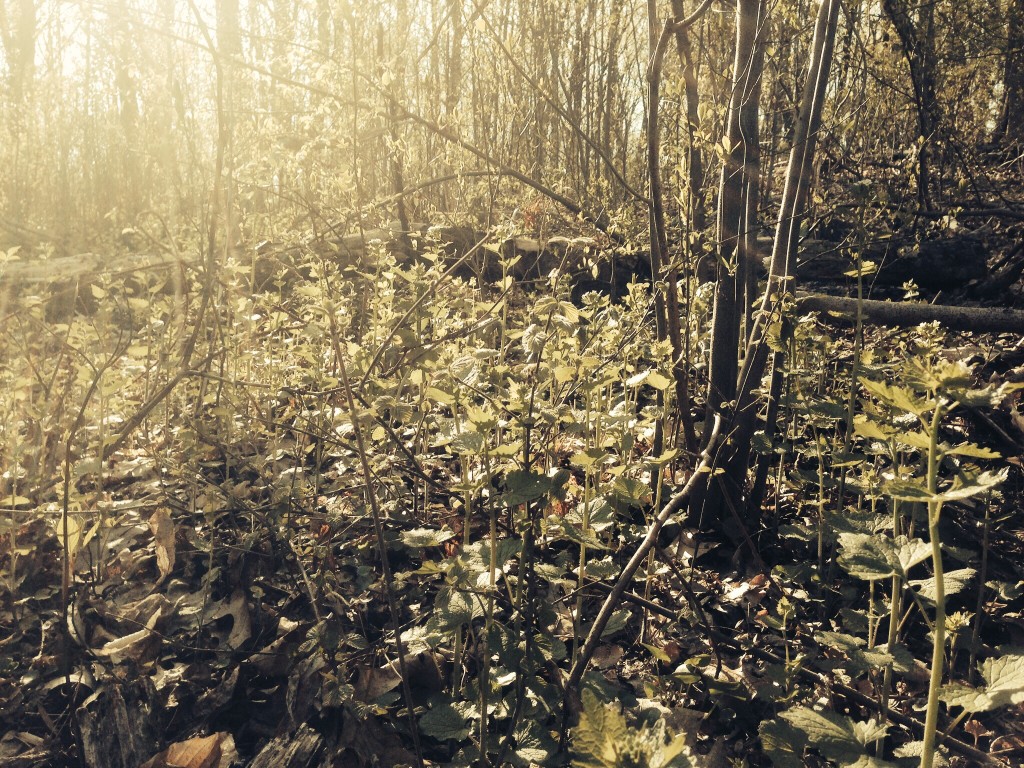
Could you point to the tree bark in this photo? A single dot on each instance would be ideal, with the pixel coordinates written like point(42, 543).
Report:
point(725, 493)
point(918, 41)
point(1011, 119)
point(902, 314)
point(732, 214)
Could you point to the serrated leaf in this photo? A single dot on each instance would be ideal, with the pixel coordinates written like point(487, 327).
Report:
point(637, 379)
point(954, 582)
point(533, 743)
point(821, 728)
point(830, 733)
point(865, 556)
point(522, 486)
point(868, 761)
point(908, 490)
point(469, 443)
point(631, 491)
point(783, 743)
point(862, 427)
point(590, 458)
point(910, 552)
point(895, 396)
point(982, 484)
point(658, 381)
point(603, 739)
point(973, 451)
point(1004, 676)
point(564, 373)
point(439, 396)
point(425, 537)
point(916, 439)
point(444, 722)
point(453, 608)
point(867, 733)
point(838, 738)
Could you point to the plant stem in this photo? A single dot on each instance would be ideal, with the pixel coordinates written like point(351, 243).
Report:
point(385, 563)
point(939, 629)
point(895, 608)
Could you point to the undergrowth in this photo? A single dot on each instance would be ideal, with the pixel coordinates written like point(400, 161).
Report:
point(414, 488)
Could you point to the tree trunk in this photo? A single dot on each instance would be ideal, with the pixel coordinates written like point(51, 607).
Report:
point(1011, 119)
point(725, 493)
point(918, 41)
point(694, 198)
point(733, 214)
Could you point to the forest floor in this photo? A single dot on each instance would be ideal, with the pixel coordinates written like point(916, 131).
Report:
point(225, 602)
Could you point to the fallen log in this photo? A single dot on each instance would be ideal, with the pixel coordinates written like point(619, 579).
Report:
point(902, 314)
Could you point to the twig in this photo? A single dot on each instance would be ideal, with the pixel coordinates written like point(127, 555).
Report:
point(385, 563)
point(677, 502)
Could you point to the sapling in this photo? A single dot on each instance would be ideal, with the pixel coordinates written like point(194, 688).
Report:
point(931, 392)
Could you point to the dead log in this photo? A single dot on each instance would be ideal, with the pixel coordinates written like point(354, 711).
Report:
point(303, 749)
point(902, 314)
point(939, 264)
point(116, 725)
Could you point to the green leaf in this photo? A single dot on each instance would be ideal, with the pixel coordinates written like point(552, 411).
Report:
point(870, 556)
point(658, 381)
point(604, 739)
point(591, 458)
point(564, 373)
point(973, 451)
point(920, 440)
point(896, 397)
point(637, 379)
point(468, 443)
point(439, 396)
point(444, 722)
point(830, 733)
point(631, 491)
point(783, 743)
point(909, 490)
point(425, 537)
point(954, 582)
point(522, 486)
point(865, 556)
point(838, 738)
point(533, 745)
point(983, 483)
point(862, 427)
point(910, 552)
point(1004, 676)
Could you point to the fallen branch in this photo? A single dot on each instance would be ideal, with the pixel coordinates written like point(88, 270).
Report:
point(902, 314)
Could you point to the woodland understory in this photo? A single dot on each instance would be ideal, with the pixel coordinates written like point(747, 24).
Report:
point(512, 383)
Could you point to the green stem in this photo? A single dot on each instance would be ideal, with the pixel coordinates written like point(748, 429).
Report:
point(939, 629)
point(895, 607)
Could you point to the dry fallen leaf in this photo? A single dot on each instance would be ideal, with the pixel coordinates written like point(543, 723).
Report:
point(140, 646)
point(238, 609)
point(372, 683)
point(199, 752)
point(977, 729)
point(162, 526)
point(607, 656)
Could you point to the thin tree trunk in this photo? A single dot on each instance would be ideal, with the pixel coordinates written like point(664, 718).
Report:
point(732, 216)
point(919, 48)
point(1011, 119)
point(725, 493)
